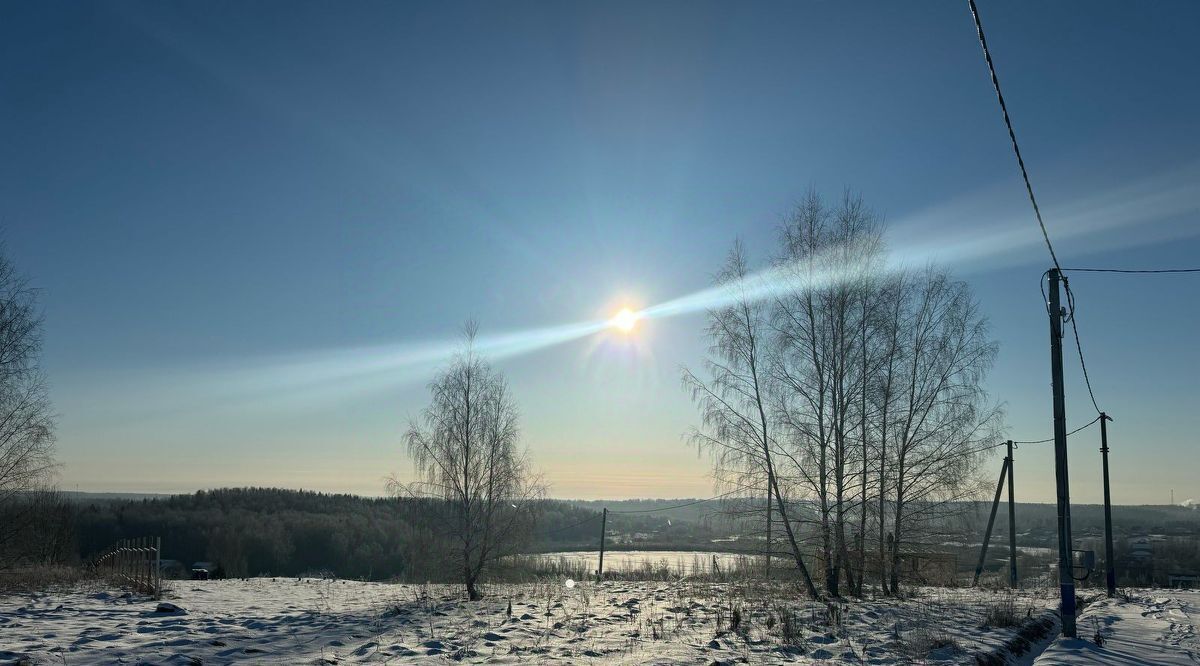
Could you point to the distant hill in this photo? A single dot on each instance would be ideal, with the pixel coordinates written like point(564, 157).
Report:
point(79, 496)
point(254, 531)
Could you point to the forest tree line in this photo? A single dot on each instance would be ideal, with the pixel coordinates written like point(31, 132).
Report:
point(271, 531)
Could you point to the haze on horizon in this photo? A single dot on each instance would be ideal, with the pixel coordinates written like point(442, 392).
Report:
point(257, 238)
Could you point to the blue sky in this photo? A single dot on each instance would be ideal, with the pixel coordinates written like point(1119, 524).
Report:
point(217, 198)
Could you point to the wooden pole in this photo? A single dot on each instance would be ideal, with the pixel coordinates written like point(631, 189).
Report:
point(1066, 580)
point(603, 525)
point(987, 536)
point(146, 563)
point(1012, 522)
point(1110, 570)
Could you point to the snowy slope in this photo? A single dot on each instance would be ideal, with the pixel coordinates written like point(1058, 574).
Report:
point(331, 621)
point(1152, 627)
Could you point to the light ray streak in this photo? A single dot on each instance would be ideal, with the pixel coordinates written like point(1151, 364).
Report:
point(973, 235)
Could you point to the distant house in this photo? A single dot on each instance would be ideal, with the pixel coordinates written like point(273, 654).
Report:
point(1139, 567)
point(1140, 548)
point(204, 570)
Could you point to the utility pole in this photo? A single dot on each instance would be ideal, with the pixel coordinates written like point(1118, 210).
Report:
point(1110, 571)
point(987, 536)
point(1012, 522)
point(1066, 579)
point(603, 524)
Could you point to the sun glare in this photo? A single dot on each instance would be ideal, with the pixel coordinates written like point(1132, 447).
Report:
point(625, 320)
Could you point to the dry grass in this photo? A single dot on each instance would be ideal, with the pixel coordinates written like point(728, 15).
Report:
point(41, 578)
point(1003, 613)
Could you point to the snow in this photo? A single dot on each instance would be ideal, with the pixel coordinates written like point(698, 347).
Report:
point(1151, 627)
point(347, 622)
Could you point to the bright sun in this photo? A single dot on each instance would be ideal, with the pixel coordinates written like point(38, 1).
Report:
point(625, 320)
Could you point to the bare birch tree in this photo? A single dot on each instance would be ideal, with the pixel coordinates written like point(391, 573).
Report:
point(854, 387)
point(26, 420)
point(890, 301)
point(831, 254)
point(465, 449)
point(942, 413)
point(733, 402)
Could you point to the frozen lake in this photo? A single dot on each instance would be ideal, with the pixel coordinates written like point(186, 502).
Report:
point(677, 561)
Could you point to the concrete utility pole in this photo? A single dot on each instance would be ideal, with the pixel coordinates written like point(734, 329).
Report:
point(1066, 579)
point(603, 524)
point(1110, 571)
point(1012, 522)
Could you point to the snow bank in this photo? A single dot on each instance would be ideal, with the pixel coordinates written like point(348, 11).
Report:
point(1151, 627)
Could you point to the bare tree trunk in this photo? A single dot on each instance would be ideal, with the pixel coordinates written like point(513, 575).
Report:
point(862, 428)
point(770, 544)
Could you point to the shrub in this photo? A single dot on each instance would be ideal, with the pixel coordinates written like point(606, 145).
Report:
point(1001, 614)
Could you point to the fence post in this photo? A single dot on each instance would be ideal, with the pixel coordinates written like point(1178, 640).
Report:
point(603, 524)
point(157, 567)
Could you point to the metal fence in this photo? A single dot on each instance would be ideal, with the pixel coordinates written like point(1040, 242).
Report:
point(135, 562)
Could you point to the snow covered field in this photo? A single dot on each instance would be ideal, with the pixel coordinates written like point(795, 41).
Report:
point(309, 621)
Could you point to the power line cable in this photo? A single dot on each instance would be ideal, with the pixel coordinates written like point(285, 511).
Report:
point(1079, 348)
point(987, 56)
point(1040, 441)
point(679, 506)
point(1127, 270)
point(1012, 135)
point(562, 529)
point(1051, 439)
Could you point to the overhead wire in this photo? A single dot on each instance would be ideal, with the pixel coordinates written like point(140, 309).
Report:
point(1012, 135)
point(727, 494)
point(1078, 347)
point(679, 506)
point(1051, 439)
point(567, 527)
point(1071, 308)
point(1129, 270)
